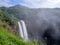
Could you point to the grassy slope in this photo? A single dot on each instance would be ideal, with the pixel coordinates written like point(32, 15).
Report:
point(7, 38)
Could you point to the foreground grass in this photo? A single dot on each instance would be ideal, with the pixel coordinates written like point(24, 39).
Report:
point(7, 38)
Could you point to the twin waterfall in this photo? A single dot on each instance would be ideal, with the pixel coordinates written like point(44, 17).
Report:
point(22, 30)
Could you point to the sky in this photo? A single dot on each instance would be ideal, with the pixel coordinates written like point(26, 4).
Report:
point(32, 3)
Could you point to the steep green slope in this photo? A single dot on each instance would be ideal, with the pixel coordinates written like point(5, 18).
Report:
point(7, 38)
point(8, 21)
point(6, 27)
point(5, 16)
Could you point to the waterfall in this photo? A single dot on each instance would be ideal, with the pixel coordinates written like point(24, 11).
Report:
point(23, 30)
point(20, 30)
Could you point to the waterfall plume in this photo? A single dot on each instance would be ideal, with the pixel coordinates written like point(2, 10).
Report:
point(23, 30)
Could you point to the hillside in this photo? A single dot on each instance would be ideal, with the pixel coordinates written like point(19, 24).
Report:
point(41, 23)
point(7, 38)
point(7, 20)
point(8, 30)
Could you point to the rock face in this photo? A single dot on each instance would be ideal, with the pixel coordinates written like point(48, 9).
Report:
point(42, 24)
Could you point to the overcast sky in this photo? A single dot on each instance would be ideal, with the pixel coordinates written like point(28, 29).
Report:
point(32, 3)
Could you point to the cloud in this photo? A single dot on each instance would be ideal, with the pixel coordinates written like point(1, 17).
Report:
point(32, 3)
point(41, 3)
point(8, 3)
point(5, 3)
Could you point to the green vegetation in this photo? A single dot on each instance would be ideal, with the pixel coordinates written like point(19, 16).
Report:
point(7, 38)
point(5, 16)
point(7, 21)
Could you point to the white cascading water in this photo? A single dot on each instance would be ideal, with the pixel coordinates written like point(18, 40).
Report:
point(23, 30)
point(20, 30)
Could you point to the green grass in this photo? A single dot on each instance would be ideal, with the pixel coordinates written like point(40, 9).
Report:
point(7, 38)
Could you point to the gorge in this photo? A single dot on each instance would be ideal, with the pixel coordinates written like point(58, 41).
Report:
point(43, 24)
